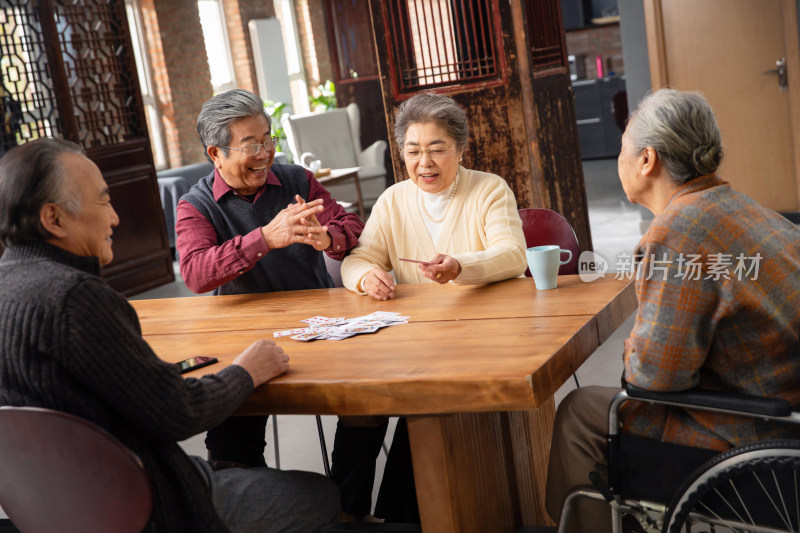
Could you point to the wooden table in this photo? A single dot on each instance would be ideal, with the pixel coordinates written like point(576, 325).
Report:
point(475, 369)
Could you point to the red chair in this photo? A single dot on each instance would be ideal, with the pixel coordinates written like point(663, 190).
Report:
point(544, 226)
point(64, 474)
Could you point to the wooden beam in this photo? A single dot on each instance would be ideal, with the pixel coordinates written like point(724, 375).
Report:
point(656, 49)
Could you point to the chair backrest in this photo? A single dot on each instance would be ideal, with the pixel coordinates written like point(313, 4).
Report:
point(328, 135)
point(191, 173)
point(335, 270)
point(544, 226)
point(61, 473)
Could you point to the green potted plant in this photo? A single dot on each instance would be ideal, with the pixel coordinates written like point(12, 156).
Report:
point(275, 111)
point(324, 97)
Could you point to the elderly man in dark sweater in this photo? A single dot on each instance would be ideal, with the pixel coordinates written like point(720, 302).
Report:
point(254, 226)
point(70, 342)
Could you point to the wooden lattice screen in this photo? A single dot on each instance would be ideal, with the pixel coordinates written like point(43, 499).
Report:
point(67, 70)
point(94, 65)
point(545, 35)
point(438, 43)
point(28, 93)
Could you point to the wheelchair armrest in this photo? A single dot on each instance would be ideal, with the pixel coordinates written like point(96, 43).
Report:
point(729, 401)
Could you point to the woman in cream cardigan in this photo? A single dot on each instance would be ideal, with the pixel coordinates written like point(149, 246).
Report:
point(464, 225)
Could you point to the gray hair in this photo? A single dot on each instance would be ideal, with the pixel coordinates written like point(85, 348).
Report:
point(32, 175)
point(217, 114)
point(681, 127)
point(432, 107)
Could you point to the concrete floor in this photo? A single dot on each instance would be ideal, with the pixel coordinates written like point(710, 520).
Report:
point(615, 229)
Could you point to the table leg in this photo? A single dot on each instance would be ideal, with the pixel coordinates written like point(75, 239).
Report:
point(360, 199)
point(463, 469)
point(531, 433)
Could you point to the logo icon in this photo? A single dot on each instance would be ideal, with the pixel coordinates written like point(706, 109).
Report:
point(591, 266)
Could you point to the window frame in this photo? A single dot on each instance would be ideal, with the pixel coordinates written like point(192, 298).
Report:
point(401, 92)
point(152, 109)
point(227, 49)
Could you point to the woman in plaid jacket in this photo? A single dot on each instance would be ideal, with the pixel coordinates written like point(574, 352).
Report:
point(718, 286)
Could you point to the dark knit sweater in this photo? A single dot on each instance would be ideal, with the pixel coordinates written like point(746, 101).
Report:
point(70, 342)
point(296, 267)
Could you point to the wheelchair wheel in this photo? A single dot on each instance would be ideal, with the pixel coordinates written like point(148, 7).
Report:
point(753, 488)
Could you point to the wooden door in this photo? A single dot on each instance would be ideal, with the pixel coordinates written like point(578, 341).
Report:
point(355, 70)
point(504, 62)
point(722, 48)
point(69, 67)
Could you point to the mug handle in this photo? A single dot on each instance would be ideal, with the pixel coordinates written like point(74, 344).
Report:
point(568, 259)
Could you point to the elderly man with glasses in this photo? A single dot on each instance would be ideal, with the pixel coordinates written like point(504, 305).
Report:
point(251, 226)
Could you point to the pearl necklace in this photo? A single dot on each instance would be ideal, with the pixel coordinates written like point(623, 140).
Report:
point(421, 203)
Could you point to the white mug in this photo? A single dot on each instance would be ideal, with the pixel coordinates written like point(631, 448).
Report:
point(310, 161)
point(544, 262)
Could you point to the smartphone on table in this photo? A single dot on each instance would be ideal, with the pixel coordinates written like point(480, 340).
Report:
point(193, 363)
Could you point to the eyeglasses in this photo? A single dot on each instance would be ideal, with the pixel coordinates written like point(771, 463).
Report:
point(436, 152)
point(253, 149)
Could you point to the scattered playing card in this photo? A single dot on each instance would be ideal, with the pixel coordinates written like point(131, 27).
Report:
point(322, 327)
point(363, 328)
point(322, 320)
point(339, 336)
point(307, 335)
point(382, 314)
point(289, 332)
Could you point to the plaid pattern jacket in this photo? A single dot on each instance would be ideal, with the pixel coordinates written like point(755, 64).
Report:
point(718, 285)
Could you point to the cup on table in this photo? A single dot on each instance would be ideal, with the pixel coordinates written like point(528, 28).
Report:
point(544, 262)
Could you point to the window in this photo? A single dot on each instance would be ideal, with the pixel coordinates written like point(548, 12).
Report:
point(217, 48)
point(437, 43)
point(285, 13)
point(149, 100)
point(27, 95)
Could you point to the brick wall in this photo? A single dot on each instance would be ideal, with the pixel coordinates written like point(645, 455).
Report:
point(179, 63)
point(161, 87)
point(181, 73)
point(313, 37)
point(591, 42)
point(239, 42)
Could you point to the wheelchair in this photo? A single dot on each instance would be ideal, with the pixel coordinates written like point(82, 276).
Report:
point(751, 488)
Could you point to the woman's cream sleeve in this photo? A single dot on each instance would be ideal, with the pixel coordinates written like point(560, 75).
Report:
point(372, 250)
point(504, 256)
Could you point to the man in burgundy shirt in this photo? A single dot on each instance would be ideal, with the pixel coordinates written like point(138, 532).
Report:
point(252, 226)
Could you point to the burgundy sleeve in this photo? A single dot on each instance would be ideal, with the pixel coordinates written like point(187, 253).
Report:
point(343, 227)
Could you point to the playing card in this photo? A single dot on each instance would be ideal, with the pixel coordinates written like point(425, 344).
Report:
point(306, 336)
point(382, 314)
point(339, 336)
point(413, 261)
point(322, 320)
point(361, 321)
point(391, 320)
point(314, 320)
point(288, 332)
point(339, 328)
point(363, 328)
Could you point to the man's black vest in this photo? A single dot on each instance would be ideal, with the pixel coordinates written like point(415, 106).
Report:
point(296, 267)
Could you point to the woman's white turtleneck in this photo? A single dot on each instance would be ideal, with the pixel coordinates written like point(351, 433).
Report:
point(436, 204)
